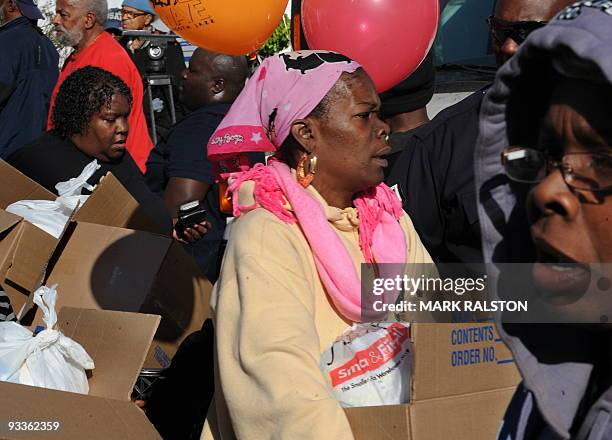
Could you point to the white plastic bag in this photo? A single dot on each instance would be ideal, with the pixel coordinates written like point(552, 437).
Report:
point(49, 359)
point(75, 185)
point(52, 215)
point(370, 365)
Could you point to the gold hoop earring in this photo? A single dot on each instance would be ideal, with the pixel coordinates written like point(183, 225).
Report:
point(306, 169)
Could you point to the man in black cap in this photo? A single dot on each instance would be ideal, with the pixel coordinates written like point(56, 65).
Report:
point(404, 107)
point(427, 172)
point(431, 166)
point(28, 73)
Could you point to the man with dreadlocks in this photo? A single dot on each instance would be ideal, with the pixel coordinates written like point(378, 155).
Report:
point(90, 120)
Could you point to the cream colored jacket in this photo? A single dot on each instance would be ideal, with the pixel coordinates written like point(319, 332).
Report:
point(273, 320)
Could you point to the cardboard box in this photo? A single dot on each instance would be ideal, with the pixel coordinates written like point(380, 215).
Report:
point(25, 250)
point(118, 343)
point(111, 268)
point(453, 359)
point(476, 416)
point(110, 204)
point(463, 377)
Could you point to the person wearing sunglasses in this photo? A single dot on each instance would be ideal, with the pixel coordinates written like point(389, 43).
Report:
point(431, 166)
point(139, 15)
point(514, 20)
point(136, 15)
point(544, 174)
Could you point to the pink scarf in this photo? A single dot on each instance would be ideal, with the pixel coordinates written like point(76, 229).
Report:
point(381, 238)
point(284, 88)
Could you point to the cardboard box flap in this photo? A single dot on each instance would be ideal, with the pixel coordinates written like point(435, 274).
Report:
point(111, 204)
point(17, 186)
point(118, 343)
point(32, 253)
point(79, 416)
point(475, 416)
point(390, 422)
point(7, 220)
point(101, 267)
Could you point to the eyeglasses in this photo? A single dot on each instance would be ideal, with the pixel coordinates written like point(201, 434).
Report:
point(501, 30)
point(584, 171)
point(129, 15)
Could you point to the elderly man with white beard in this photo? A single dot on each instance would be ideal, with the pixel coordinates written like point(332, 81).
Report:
point(80, 24)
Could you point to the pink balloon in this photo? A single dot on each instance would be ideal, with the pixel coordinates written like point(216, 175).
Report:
point(389, 38)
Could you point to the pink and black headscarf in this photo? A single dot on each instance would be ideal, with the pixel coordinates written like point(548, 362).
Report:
point(284, 88)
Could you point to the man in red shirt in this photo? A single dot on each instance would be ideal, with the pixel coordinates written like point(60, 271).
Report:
point(80, 24)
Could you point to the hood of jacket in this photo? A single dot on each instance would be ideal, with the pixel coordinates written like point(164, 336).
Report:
point(577, 44)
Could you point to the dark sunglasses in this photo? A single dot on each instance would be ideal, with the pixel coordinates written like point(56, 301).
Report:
point(501, 30)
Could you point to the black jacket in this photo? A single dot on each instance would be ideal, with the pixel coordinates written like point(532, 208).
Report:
point(432, 167)
point(28, 73)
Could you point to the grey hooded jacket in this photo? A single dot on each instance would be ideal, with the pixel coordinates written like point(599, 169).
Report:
point(556, 362)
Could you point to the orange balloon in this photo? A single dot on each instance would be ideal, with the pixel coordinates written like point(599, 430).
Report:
point(235, 27)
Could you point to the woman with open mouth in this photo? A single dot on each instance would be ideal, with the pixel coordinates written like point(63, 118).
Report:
point(548, 202)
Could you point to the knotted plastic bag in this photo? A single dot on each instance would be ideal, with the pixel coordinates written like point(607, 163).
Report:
point(370, 365)
point(49, 359)
point(52, 215)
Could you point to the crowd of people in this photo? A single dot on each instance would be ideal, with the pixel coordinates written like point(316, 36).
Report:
point(519, 171)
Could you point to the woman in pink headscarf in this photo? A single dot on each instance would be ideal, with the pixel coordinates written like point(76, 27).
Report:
point(290, 280)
